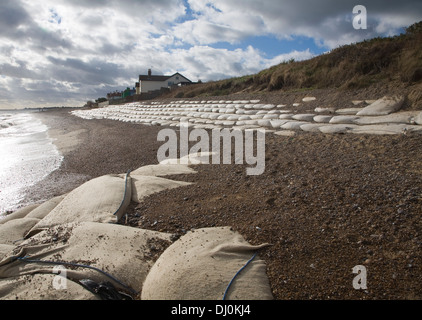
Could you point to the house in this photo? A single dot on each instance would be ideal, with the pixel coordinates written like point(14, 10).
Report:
point(151, 82)
point(114, 95)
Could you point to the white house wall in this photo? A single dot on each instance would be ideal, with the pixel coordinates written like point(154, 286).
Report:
point(147, 86)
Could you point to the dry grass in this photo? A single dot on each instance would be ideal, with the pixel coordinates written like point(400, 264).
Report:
point(392, 60)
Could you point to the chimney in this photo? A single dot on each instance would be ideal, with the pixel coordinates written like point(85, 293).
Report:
point(149, 72)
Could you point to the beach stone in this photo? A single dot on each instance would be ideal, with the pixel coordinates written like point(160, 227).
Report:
point(307, 99)
point(383, 106)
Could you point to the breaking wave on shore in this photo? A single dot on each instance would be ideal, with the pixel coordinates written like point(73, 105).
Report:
point(28, 156)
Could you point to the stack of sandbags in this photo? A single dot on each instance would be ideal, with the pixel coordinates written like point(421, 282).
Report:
point(76, 234)
point(123, 254)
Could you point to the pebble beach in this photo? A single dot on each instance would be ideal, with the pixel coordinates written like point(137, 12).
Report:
point(325, 202)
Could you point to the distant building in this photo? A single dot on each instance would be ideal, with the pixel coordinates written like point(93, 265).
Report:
point(114, 95)
point(151, 82)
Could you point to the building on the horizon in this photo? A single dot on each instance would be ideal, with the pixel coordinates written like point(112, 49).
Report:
point(114, 95)
point(149, 82)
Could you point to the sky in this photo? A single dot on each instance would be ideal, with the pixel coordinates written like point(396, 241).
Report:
point(65, 52)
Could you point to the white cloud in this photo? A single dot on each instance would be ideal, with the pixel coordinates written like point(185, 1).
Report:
point(62, 51)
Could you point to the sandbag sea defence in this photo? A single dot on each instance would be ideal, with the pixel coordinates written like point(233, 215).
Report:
point(71, 247)
point(376, 116)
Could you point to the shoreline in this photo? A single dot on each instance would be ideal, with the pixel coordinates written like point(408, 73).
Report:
point(326, 203)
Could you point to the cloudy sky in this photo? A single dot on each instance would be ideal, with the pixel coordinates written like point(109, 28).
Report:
point(64, 52)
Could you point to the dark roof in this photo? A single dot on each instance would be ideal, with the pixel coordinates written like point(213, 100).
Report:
point(159, 78)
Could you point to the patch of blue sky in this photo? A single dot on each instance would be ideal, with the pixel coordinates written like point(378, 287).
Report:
point(271, 46)
point(55, 17)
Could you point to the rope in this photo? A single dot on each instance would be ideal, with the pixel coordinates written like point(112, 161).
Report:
point(124, 194)
point(25, 259)
point(237, 273)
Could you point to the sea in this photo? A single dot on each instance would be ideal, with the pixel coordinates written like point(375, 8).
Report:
point(27, 156)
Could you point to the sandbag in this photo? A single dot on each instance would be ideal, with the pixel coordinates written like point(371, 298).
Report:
point(399, 117)
point(15, 230)
point(5, 249)
point(124, 253)
point(383, 106)
point(418, 118)
point(20, 213)
point(42, 210)
point(388, 128)
point(337, 128)
point(162, 170)
point(103, 199)
point(200, 266)
point(143, 186)
point(40, 287)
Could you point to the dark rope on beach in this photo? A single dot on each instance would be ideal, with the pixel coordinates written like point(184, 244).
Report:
point(25, 259)
point(237, 273)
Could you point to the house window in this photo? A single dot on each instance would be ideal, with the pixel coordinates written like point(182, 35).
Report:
point(170, 83)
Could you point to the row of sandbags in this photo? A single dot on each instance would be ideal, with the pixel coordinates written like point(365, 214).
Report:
point(70, 247)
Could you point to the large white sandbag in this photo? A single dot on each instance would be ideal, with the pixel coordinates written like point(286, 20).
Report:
point(406, 117)
point(201, 265)
point(42, 287)
point(16, 229)
point(345, 119)
point(5, 249)
point(383, 106)
point(100, 252)
point(103, 199)
point(162, 170)
point(42, 210)
point(143, 186)
point(388, 128)
point(20, 213)
point(418, 118)
point(337, 128)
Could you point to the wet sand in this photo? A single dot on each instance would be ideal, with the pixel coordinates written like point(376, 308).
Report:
point(326, 203)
